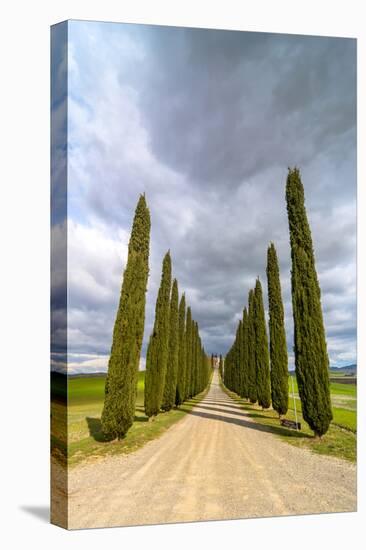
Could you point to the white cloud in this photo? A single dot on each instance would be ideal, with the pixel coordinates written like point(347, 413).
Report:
point(87, 363)
point(95, 263)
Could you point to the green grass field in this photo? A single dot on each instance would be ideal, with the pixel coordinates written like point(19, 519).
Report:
point(84, 434)
point(344, 404)
point(339, 441)
point(85, 438)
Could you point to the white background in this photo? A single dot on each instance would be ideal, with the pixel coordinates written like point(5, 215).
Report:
point(24, 271)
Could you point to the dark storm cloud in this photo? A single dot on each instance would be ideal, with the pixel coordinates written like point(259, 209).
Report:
point(222, 106)
point(206, 123)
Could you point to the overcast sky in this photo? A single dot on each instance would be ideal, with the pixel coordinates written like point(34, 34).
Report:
point(206, 123)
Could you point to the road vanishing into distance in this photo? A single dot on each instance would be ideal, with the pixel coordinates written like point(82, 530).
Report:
point(215, 463)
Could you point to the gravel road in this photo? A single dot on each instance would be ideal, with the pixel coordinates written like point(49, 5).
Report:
point(216, 463)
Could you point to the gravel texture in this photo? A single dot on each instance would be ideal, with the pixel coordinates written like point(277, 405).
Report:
point(216, 463)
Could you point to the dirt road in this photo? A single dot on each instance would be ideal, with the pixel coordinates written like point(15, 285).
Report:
point(216, 463)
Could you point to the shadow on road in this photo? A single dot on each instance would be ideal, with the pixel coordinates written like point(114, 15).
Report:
point(278, 430)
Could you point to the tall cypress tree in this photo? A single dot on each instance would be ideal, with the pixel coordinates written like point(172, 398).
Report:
point(252, 378)
point(188, 353)
point(261, 350)
point(172, 364)
point(120, 392)
point(278, 346)
point(311, 357)
point(181, 381)
point(245, 367)
point(157, 351)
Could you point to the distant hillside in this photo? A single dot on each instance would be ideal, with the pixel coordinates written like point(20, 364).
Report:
point(345, 370)
point(88, 375)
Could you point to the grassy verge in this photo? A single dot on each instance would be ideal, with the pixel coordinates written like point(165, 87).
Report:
point(339, 441)
point(85, 437)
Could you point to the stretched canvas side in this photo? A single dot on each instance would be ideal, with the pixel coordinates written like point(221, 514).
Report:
point(59, 482)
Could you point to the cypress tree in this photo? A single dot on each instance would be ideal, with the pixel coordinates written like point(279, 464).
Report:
point(192, 371)
point(226, 369)
point(199, 361)
point(188, 352)
point(203, 368)
point(181, 381)
point(278, 346)
point(252, 380)
point(157, 351)
point(240, 357)
point(245, 371)
point(311, 357)
point(221, 369)
point(261, 350)
point(193, 359)
point(238, 363)
point(121, 384)
point(172, 364)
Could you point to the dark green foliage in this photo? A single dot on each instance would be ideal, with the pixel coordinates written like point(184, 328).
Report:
point(278, 346)
point(197, 384)
point(221, 368)
point(233, 362)
point(247, 362)
point(311, 358)
point(227, 369)
point(120, 393)
point(199, 366)
point(181, 382)
point(193, 359)
point(203, 370)
point(188, 353)
point(157, 351)
point(252, 378)
point(261, 350)
point(172, 364)
point(244, 388)
point(238, 357)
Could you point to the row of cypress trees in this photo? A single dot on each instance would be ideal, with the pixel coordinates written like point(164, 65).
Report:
point(246, 368)
point(247, 362)
point(177, 367)
point(176, 364)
